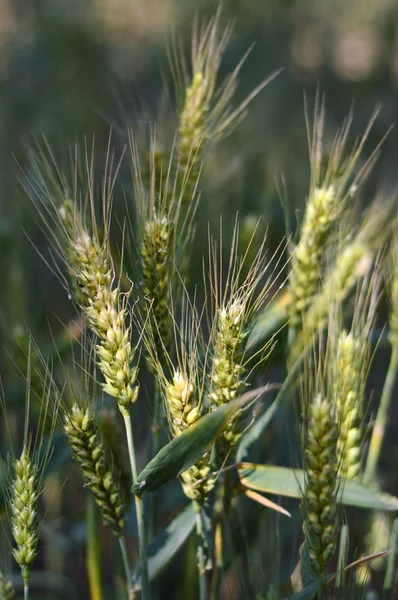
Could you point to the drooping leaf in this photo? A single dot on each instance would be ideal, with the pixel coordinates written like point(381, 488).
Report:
point(167, 543)
point(185, 450)
point(290, 482)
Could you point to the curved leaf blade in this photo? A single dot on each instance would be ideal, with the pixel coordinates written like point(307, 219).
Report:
point(185, 450)
point(166, 545)
point(288, 482)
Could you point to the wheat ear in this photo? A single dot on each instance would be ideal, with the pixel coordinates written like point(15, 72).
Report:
point(83, 438)
point(93, 274)
point(319, 500)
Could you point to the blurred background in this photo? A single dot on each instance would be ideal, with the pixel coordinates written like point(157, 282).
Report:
point(71, 70)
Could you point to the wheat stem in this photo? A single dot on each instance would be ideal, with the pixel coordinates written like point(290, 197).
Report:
point(201, 555)
point(126, 564)
point(381, 418)
point(139, 507)
point(93, 559)
point(156, 427)
point(26, 590)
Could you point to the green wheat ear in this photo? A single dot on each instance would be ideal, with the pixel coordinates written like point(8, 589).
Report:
point(207, 112)
point(319, 496)
point(23, 511)
point(105, 307)
point(236, 300)
point(349, 357)
point(84, 440)
point(25, 482)
point(330, 194)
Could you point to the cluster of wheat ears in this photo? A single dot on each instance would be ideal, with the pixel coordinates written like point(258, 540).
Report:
point(205, 350)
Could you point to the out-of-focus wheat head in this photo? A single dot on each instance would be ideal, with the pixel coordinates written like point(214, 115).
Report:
point(206, 112)
point(349, 355)
point(235, 301)
point(351, 260)
point(330, 196)
point(7, 591)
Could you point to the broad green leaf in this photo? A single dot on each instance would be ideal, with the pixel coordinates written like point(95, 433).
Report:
point(289, 482)
point(167, 543)
point(185, 450)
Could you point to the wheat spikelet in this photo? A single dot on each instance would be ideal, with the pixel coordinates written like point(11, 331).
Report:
point(184, 410)
point(321, 212)
point(93, 274)
point(353, 263)
point(236, 301)
point(83, 438)
point(319, 496)
point(349, 405)
point(330, 194)
point(23, 509)
point(228, 371)
point(207, 113)
point(155, 254)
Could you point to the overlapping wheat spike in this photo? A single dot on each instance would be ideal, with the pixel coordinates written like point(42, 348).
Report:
point(349, 361)
point(320, 430)
point(352, 260)
point(235, 301)
point(182, 389)
point(331, 193)
point(164, 242)
point(207, 112)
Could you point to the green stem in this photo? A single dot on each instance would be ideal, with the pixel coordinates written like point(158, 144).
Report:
point(389, 579)
point(26, 590)
point(201, 556)
point(155, 450)
point(139, 507)
point(126, 564)
point(94, 548)
point(381, 419)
